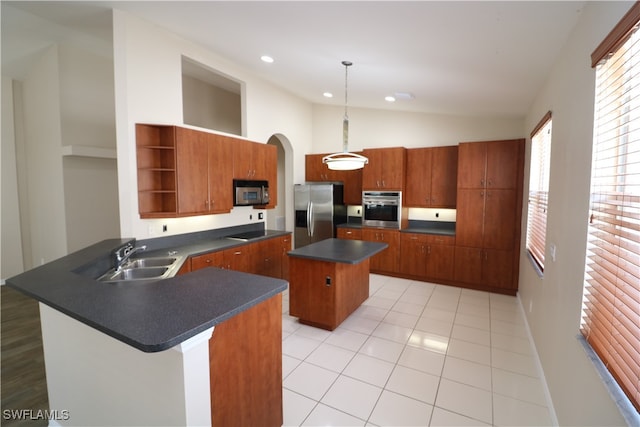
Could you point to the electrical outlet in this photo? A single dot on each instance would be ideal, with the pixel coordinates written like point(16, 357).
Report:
point(164, 228)
point(260, 215)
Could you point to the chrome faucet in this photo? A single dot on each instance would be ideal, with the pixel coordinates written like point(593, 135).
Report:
point(122, 254)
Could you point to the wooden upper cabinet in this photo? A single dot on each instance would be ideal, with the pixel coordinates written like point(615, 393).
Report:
point(270, 167)
point(252, 160)
point(220, 174)
point(184, 172)
point(431, 177)
point(492, 164)
point(204, 173)
point(156, 162)
point(255, 161)
point(316, 171)
point(193, 171)
point(386, 169)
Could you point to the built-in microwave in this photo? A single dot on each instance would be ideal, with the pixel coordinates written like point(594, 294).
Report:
point(382, 209)
point(248, 193)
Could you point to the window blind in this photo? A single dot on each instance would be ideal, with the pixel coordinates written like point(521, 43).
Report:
point(611, 304)
point(539, 189)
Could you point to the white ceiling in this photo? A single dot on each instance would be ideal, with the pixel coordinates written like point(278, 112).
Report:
point(469, 58)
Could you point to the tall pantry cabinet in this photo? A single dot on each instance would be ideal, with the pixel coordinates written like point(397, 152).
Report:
point(489, 206)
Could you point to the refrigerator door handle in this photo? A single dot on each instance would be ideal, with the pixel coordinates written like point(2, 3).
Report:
point(312, 219)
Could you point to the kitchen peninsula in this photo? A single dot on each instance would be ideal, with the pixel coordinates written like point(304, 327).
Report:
point(179, 351)
point(329, 280)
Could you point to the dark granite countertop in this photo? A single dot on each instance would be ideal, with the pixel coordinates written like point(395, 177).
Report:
point(148, 315)
point(442, 228)
point(339, 250)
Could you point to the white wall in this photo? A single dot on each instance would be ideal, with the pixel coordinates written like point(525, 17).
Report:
point(381, 128)
point(148, 90)
point(88, 120)
point(43, 136)
point(11, 262)
point(553, 303)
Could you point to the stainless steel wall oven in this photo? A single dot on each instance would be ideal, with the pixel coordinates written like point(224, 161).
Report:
point(382, 209)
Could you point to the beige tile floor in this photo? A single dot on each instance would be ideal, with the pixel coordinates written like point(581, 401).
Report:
point(414, 354)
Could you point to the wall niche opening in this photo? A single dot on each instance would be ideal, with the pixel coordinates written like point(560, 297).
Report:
point(210, 99)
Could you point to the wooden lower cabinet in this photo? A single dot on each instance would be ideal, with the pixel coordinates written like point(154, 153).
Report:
point(211, 259)
point(323, 294)
point(426, 256)
point(488, 269)
point(387, 261)
point(245, 367)
point(265, 257)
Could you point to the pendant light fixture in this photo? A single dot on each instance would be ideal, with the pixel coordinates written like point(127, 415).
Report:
point(345, 160)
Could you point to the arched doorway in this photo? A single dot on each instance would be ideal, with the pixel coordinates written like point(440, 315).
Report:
point(277, 219)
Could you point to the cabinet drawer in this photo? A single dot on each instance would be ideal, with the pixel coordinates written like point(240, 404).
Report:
point(438, 239)
point(432, 239)
point(211, 259)
point(349, 233)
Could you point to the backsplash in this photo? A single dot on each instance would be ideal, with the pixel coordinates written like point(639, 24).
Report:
point(432, 214)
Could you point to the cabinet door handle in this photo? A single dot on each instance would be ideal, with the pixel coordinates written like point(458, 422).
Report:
point(482, 182)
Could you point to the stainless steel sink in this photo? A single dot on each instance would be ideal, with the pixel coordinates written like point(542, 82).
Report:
point(151, 262)
point(152, 268)
point(134, 274)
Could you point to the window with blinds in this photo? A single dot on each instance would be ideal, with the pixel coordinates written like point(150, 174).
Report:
point(611, 304)
point(539, 189)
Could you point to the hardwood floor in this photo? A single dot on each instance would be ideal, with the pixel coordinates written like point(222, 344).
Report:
point(24, 385)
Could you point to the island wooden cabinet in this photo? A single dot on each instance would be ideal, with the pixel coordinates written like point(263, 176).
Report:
point(349, 233)
point(316, 171)
point(389, 259)
point(489, 205)
point(203, 164)
point(427, 256)
point(385, 170)
point(431, 177)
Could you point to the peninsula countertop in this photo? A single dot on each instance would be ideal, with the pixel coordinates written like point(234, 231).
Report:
point(339, 250)
point(150, 316)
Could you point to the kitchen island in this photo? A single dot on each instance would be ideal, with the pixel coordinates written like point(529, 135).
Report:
point(178, 351)
point(329, 280)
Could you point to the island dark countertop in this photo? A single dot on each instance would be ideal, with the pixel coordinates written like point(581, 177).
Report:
point(150, 316)
point(339, 250)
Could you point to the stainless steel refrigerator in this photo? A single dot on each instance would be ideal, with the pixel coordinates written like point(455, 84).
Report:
point(319, 208)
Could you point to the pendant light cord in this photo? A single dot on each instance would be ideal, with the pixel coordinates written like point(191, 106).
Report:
point(345, 119)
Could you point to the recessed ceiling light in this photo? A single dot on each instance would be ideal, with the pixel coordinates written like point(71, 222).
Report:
point(404, 95)
point(327, 95)
point(267, 59)
point(389, 99)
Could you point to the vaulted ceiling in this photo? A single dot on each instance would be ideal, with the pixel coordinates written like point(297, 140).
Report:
point(454, 57)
